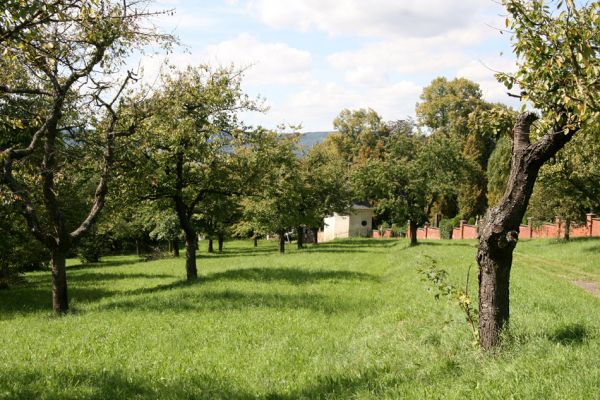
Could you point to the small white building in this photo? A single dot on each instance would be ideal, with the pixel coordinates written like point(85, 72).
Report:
point(357, 223)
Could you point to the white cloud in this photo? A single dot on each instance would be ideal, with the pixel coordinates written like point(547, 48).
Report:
point(400, 46)
point(483, 72)
point(316, 105)
point(265, 63)
point(434, 55)
point(406, 18)
point(268, 63)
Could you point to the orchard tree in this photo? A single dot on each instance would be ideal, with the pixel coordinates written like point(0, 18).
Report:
point(217, 214)
point(59, 73)
point(163, 224)
point(324, 176)
point(186, 146)
point(275, 206)
point(411, 174)
point(557, 47)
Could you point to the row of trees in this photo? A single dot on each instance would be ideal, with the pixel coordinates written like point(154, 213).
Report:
point(174, 155)
point(81, 135)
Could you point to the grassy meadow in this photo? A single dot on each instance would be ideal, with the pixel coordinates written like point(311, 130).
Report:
point(348, 319)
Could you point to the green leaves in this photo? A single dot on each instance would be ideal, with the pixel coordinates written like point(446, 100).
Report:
point(558, 65)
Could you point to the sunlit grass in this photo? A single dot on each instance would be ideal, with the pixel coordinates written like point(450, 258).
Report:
point(348, 319)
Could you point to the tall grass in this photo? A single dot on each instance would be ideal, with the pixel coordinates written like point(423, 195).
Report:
point(347, 319)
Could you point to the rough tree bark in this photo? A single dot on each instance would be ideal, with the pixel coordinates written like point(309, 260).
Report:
point(190, 256)
point(498, 235)
point(60, 298)
point(300, 235)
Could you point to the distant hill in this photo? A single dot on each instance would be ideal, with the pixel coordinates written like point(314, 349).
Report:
point(309, 139)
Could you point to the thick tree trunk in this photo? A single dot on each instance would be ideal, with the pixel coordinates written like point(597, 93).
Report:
point(210, 246)
point(315, 235)
point(412, 226)
point(190, 256)
point(60, 299)
point(175, 245)
point(494, 278)
point(498, 235)
point(221, 240)
point(300, 235)
point(255, 239)
point(281, 242)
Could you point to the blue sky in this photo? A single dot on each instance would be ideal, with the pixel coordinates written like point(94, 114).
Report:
point(312, 58)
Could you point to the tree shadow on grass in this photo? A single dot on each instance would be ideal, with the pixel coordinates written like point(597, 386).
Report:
point(571, 334)
point(35, 294)
point(335, 250)
point(457, 243)
point(294, 276)
point(104, 264)
point(119, 384)
point(247, 250)
point(360, 243)
point(91, 277)
point(593, 249)
point(100, 385)
point(37, 298)
point(227, 299)
point(346, 387)
point(306, 250)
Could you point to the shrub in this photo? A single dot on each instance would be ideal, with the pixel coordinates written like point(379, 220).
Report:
point(91, 247)
point(447, 225)
point(19, 251)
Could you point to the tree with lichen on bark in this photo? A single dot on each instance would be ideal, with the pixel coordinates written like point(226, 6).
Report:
point(557, 48)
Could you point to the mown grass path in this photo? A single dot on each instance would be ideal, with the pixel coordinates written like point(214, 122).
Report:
point(348, 319)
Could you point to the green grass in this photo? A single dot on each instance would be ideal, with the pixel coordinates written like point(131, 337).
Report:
point(347, 319)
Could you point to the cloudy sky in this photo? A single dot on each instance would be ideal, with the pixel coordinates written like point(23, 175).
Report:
point(312, 58)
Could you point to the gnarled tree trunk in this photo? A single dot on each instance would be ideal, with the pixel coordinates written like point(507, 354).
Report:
point(499, 232)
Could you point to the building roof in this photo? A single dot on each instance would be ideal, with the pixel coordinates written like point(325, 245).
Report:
point(361, 205)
